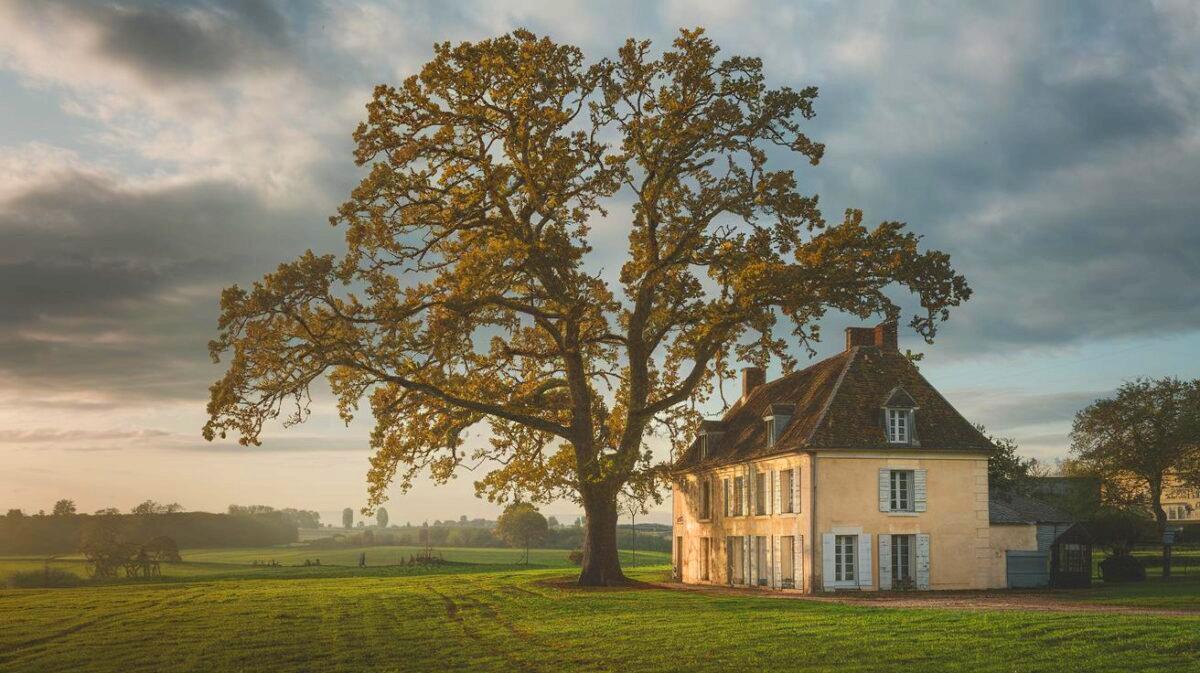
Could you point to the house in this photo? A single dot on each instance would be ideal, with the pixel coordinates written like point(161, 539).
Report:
point(1037, 544)
point(852, 474)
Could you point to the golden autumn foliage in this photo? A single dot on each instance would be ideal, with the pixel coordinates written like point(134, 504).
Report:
point(467, 295)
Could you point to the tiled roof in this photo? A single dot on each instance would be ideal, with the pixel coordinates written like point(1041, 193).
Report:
point(1011, 508)
point(839, 405)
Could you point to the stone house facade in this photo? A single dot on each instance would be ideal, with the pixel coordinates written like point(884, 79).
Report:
point(852, 474)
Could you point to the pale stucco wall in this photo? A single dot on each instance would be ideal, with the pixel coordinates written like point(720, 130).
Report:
point(1003, 538)
point(686, 508)
point(956, 518)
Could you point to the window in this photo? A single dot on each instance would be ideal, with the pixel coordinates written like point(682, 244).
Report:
point(1176, 512)
point(787, 492)
point(760, 494)
point(897, 425)
point(844, 549)
point(739, 495)
point(902, 490)
point(736, 560)
point(770, 432)
point(705, 552)
point(705, 499)
point(787, 562)
point(902, 555)
point(728, 499)
point(703, 446)
point(764, 563)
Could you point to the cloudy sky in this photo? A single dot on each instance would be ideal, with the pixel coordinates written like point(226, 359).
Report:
point(151, 154)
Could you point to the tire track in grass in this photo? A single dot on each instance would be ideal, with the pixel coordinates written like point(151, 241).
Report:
point(18, 650)
point(455, 614)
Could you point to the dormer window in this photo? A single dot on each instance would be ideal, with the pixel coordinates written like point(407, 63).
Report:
point(899, 417)
point(776, 421)
point(710, 437)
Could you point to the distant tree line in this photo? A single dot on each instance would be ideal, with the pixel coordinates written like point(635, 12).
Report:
point(302, 518)
point(21, 534)
point(452, 534)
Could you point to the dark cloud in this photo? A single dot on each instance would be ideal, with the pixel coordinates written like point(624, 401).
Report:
point(1001, 412)
point(174, 42)
point(113, 289)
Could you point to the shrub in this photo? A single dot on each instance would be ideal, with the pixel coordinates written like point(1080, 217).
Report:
point(1122, 568)
point(576, 557)
point(47, 578)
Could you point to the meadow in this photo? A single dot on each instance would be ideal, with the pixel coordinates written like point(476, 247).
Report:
point(216, 612)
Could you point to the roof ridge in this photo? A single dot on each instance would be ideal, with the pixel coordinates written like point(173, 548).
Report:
point(745, 401)
point(832, 393)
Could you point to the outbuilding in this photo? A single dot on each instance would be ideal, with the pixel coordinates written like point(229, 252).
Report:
point(1036, 544)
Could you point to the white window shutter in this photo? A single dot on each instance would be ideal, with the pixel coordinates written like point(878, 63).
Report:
point(754, 569)
point(919, 490)
point(827, 561)
point(747, 503)
point(864, 560)
point(885, 490)
point(748, 552)
point(778, 501)
point(885, 562)
point(798, 564)
point(796, 490)
point(922, 561)
point(776, 566)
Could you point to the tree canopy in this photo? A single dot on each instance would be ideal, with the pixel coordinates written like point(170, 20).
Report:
point(471, 293)
point(64, 507)
point(1134, 441)
point(521, 525)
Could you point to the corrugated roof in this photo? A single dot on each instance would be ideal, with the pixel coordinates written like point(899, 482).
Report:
point(839, 405)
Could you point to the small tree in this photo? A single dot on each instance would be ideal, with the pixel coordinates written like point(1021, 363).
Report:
point(64, 507)
point(521, 525)
point(347, 518)
point(1007, 470)
point(1132, 441)
point(381, 518)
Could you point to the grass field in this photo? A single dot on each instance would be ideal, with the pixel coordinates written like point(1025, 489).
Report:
point(226, 616)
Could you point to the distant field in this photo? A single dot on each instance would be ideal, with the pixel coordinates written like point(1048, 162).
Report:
point(380, 560)
point(490, 619)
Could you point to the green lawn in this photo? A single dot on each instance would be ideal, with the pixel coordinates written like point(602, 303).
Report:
point(496, 618)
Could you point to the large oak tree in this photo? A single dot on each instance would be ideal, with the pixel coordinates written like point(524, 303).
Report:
point(470, 294)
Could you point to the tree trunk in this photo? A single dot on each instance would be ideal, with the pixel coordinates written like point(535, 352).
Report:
point(601, 565)
point(1160, 517)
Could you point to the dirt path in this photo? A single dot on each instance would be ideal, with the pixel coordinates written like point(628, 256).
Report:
point(945, 600)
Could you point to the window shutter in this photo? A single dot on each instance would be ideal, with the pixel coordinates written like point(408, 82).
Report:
point(827, 542)
point(912, 428)
point(750, 486)
point(885, 492)
point(798, 563)
point(885, 562)
point(778, 500)
point(776, 566)
point(922, 561)
point(725, 495)
point(754, 569)
point(919, 490)
point(864, 560)
point(796, 490)
point(747, 503)
point(747, 575)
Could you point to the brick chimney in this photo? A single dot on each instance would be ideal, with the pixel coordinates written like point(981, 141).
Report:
point(886, 335)
point(752, 377)
point(883, 335)
point(859, 336)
